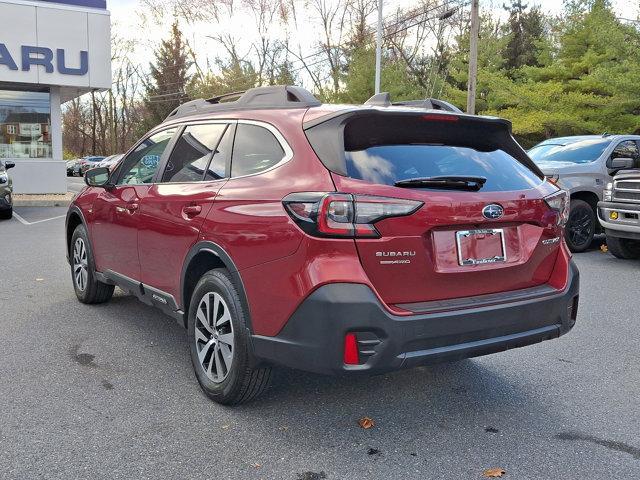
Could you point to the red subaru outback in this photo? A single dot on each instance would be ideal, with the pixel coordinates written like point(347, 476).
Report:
point(329, 238)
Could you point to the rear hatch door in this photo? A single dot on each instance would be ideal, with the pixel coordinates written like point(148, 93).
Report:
point(484, 226)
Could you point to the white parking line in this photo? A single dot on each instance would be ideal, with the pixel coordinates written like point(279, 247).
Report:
point(24, 222)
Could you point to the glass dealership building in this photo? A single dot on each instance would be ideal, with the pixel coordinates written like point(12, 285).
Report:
point(50, 53)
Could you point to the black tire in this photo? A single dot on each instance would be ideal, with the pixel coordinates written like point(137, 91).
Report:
point(581, 226)
point(6, 214)
point(624, 248)
point(91, 290)
point(240, 382)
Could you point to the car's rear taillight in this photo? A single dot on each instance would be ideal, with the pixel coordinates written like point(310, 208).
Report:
point(559, 202)
point(344, 215)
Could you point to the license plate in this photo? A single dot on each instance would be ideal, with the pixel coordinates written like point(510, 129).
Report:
point(479, 247)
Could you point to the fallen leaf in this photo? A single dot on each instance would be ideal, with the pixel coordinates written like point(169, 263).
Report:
point(366, 423)
point(256, 465)
point(604, 248)
point(493, 472)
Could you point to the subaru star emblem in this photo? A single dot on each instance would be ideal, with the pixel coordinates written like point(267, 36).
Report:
point(492, 211)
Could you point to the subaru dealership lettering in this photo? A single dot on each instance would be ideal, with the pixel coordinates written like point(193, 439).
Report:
point(44, 56)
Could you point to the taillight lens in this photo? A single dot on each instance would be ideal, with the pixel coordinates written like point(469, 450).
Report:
point(559, 202)
point(344, 215)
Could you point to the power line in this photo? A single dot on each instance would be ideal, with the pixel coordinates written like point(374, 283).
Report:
point(370, 27)
point(306, 66)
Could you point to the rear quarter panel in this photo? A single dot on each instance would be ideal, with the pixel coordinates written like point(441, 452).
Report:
point(248, 219)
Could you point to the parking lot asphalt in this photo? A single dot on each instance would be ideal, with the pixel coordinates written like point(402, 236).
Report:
point(108, 392)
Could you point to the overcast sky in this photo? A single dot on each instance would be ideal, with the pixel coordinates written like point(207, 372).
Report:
point(125, 17)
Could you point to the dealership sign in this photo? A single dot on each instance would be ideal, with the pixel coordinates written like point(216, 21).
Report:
point(50, 44)
point(44, 56)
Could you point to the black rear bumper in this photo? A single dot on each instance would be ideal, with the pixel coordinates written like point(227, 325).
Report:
point(313, 338)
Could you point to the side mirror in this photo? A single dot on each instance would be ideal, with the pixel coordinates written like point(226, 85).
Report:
point(97, 177)
point(620, 164)
point(9, 164)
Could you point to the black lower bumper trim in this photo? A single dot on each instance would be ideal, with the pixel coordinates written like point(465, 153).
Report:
point(313, 337)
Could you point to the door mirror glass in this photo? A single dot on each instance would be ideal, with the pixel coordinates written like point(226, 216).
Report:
point(97, 177)
point(9, 164)
point(621, 164)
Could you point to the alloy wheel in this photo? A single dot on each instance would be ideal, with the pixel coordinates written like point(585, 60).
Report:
point(579, 227)
point(214, 336)
point(80, 265)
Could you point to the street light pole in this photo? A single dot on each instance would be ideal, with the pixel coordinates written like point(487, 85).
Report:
point(378, 48)
point(473, 57)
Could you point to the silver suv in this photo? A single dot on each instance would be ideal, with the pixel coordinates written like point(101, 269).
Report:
point(583, 166)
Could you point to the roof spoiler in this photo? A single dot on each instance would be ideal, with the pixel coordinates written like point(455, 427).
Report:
point(279, 96)
point(384, 100)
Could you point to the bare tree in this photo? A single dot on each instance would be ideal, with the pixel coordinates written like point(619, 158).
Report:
point(106, 123)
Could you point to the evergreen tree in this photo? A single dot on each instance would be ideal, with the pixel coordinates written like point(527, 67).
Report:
point(526, 33)
point(235, 76)
point(170, 76)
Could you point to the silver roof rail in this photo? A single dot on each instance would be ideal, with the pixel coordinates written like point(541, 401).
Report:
point(272, 97)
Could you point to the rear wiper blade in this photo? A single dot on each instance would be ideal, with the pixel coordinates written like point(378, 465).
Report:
point(451, 182)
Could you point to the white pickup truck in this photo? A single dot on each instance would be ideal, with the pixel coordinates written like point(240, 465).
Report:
point(619, 214)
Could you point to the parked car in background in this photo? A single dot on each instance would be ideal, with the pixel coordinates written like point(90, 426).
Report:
point(336, 239)
point(583, 166)
point(111, 161)
point(619, 214)
point(6, 189)
point(73, 168)
point(89, 162)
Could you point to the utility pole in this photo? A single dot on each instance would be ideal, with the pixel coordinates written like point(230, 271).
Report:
point(378, 48)
point(473, 57)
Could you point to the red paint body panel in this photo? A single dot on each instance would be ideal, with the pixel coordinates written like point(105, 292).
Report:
point(167, 230)
point(429, 236)
point(248, 219)
point(114, 228)
point(275, 289)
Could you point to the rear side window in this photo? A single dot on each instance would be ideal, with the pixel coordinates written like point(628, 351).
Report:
point(255, 149)
point(385, 148)
point(192, 152)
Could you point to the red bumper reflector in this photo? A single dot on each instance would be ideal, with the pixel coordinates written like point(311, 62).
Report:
point(351, 356)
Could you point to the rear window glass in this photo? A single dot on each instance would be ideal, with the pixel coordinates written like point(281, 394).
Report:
point(387, 164)
point(385, 150)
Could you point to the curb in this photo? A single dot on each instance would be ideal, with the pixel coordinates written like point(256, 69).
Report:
point(41, 203)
